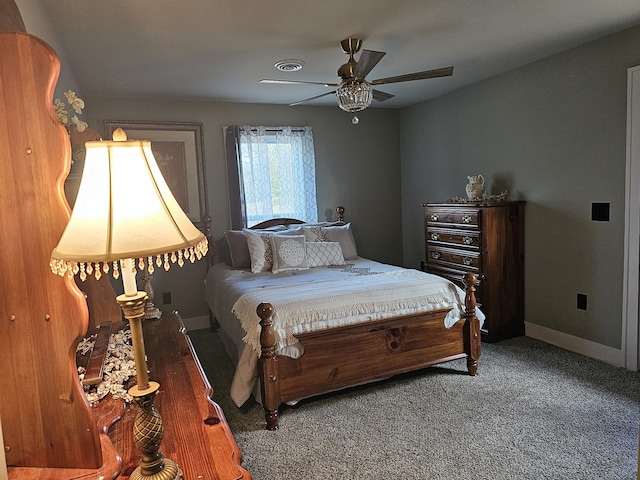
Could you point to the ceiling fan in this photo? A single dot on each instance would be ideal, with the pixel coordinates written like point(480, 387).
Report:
point(354, 93)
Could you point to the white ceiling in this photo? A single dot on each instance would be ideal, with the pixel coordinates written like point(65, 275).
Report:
point(218, 50)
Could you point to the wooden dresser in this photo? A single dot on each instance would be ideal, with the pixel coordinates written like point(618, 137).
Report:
point(197, 436)
point(488, 240)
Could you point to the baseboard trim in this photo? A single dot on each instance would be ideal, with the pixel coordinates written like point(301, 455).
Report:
point(196, 323)
point(576, 344)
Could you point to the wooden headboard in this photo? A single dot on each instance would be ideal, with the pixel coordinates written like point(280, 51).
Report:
point(213, 254)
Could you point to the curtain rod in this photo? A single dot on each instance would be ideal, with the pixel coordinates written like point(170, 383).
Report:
point(277, 129)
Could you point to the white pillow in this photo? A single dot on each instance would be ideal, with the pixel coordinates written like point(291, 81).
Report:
point(339, 233)
point(322, 254)
point(289, 253)
point(259, 244)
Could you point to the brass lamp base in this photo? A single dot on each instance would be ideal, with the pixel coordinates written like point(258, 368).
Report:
point(148, 429)
point(169, 472)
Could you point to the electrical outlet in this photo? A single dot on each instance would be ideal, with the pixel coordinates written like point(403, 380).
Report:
point(166, 298)
point(581, 302)
point(600, 212)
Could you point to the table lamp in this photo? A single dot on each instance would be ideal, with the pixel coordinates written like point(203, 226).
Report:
point(126, 214)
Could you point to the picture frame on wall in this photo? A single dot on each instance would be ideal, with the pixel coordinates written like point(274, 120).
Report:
point(179, 152)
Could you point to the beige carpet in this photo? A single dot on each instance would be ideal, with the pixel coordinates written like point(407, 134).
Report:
point(534, 412)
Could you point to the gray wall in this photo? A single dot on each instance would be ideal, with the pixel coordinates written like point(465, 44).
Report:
point(357, 166)
point(554, 134)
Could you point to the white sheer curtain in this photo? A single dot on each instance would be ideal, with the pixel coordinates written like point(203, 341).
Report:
point(276, 167)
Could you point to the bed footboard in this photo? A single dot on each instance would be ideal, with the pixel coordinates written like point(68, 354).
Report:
point(356, 354)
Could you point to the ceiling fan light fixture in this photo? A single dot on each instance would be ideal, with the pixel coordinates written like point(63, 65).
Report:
point(354, 96)
point(289, 65)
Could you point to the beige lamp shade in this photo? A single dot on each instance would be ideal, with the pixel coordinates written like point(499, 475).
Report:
point(124, 210)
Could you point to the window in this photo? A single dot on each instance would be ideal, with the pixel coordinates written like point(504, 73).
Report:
point(271, 174)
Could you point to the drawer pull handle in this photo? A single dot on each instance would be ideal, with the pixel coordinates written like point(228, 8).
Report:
point(467, 261)
point(435, 255)
point(435, 236)
point(434, 217)
point(467, 218)
point(467, 240)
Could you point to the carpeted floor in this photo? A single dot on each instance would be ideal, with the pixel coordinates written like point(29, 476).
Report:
point(534, 412)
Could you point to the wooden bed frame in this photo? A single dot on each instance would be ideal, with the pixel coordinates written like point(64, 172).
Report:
point(351, 355)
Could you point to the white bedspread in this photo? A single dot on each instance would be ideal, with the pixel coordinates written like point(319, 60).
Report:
point(345, 300)
point(318, 298)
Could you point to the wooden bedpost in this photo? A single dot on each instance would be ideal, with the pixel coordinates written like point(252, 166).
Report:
point(340, 212)
point(206, 230)
point(472, 324)
point(269, 380)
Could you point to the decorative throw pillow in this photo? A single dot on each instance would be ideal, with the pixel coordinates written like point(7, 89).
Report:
point(259, 243)
point(315, 233)
point(260, 251)
point(238, 249)
point(338, 233)
point(322, 254)
point(289, 253)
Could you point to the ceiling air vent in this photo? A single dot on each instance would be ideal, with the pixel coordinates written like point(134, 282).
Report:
point(289, 65)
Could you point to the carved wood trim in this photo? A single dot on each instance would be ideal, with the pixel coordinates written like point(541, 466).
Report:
point(46, 420)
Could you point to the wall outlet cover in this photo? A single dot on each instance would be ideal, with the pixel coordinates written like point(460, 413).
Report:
point(600, 212)
point(581, 302)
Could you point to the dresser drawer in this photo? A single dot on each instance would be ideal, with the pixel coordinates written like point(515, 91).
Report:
point(468, 261)
point(464, 238)
point(456, 277)
point(455, 217)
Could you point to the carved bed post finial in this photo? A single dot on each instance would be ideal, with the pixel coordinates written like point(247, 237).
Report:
point(340, 212)
point(206, 225)
point(206, 230)
point(270, 380)
point(472, 324)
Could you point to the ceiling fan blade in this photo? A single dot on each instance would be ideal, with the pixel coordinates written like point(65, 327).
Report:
point(312, 98)
point(296, 82)
point(368, 59)
point(438, 72)
point(381, 96)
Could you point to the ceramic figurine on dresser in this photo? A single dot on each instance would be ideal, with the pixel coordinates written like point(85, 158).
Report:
point(475, 187)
